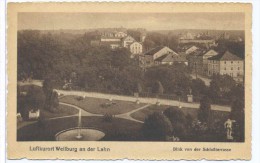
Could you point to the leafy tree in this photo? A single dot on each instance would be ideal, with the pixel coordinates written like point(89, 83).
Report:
point(238, 114)
point(51, 100)
point(47, 86)
point(198, 87)
point(178, 121)
point(220, 86)
point(156, 127)
point(33, 100)
point(204, 110)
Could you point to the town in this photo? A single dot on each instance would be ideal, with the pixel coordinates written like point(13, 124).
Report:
point(131, 84)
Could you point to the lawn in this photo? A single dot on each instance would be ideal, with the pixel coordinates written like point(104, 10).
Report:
point(64, 111)
point(142, 114)
point(117, 130)
point(94, 105)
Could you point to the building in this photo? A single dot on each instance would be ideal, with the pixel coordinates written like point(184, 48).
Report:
point(198, 60)
point(120, 34)
point(191, 49)
point(171, 59)
point(109, 39)
point(205, 56)
point(226, 63)
point(195, 61)
point(127, 41)
point(149, 58)
point(136, 48)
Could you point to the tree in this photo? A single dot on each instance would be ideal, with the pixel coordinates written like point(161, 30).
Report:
point(47, 86)
point(198, 87)
point(51, 101)
point(156, 127)
point(178, 121)
point(204, 110)
point(220, 86)
point(238, 114)
point(33, 100)
point(158, 88)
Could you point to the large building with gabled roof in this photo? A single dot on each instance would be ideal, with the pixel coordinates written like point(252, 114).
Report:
point(226, 63)
point(156, 56)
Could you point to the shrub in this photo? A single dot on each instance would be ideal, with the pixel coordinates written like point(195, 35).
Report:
point(178, 121)
point(157, 127)
point(79, 98)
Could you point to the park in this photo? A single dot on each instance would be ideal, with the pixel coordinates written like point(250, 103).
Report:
point(119, 118)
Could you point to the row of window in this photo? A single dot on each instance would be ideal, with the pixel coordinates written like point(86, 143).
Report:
point(225, 62)
point(230, 62)
point(231, 74)
point(238, 68)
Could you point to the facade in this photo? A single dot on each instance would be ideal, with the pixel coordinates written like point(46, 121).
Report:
point(120, 34)
point(195, 60)
point(127, 41)
point(136, 48)
point(198, 60)
point(227, 64)
point(205, 58)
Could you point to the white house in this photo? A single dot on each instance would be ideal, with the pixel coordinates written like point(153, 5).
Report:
point(127, 41)
point(120, 34)
point(136, 48)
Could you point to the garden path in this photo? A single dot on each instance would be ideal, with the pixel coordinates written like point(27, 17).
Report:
point(128, 114)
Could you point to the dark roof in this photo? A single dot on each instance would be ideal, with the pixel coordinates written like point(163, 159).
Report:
point(154, 50)
point(161, 58)
point(197, 52)
point(180, 58)
point(173, 58)
point(226, 56)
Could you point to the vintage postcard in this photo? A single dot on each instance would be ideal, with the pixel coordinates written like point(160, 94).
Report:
point(146, 81)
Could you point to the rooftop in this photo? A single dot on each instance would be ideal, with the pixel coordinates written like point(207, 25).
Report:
point(154, 50)
point(226, 56)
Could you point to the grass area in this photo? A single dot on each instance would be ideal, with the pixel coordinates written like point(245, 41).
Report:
point(117, 130)
point(142, 114)
point(215, 116)
point(64, 111)
point(94, 105)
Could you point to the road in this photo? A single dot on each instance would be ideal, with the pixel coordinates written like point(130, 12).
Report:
point(206, 80)
point(132, 99)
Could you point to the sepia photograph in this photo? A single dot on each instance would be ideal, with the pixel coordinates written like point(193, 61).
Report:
point(130, 77)
point(104, 80)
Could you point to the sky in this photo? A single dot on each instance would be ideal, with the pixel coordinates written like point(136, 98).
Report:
point(150, 21)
